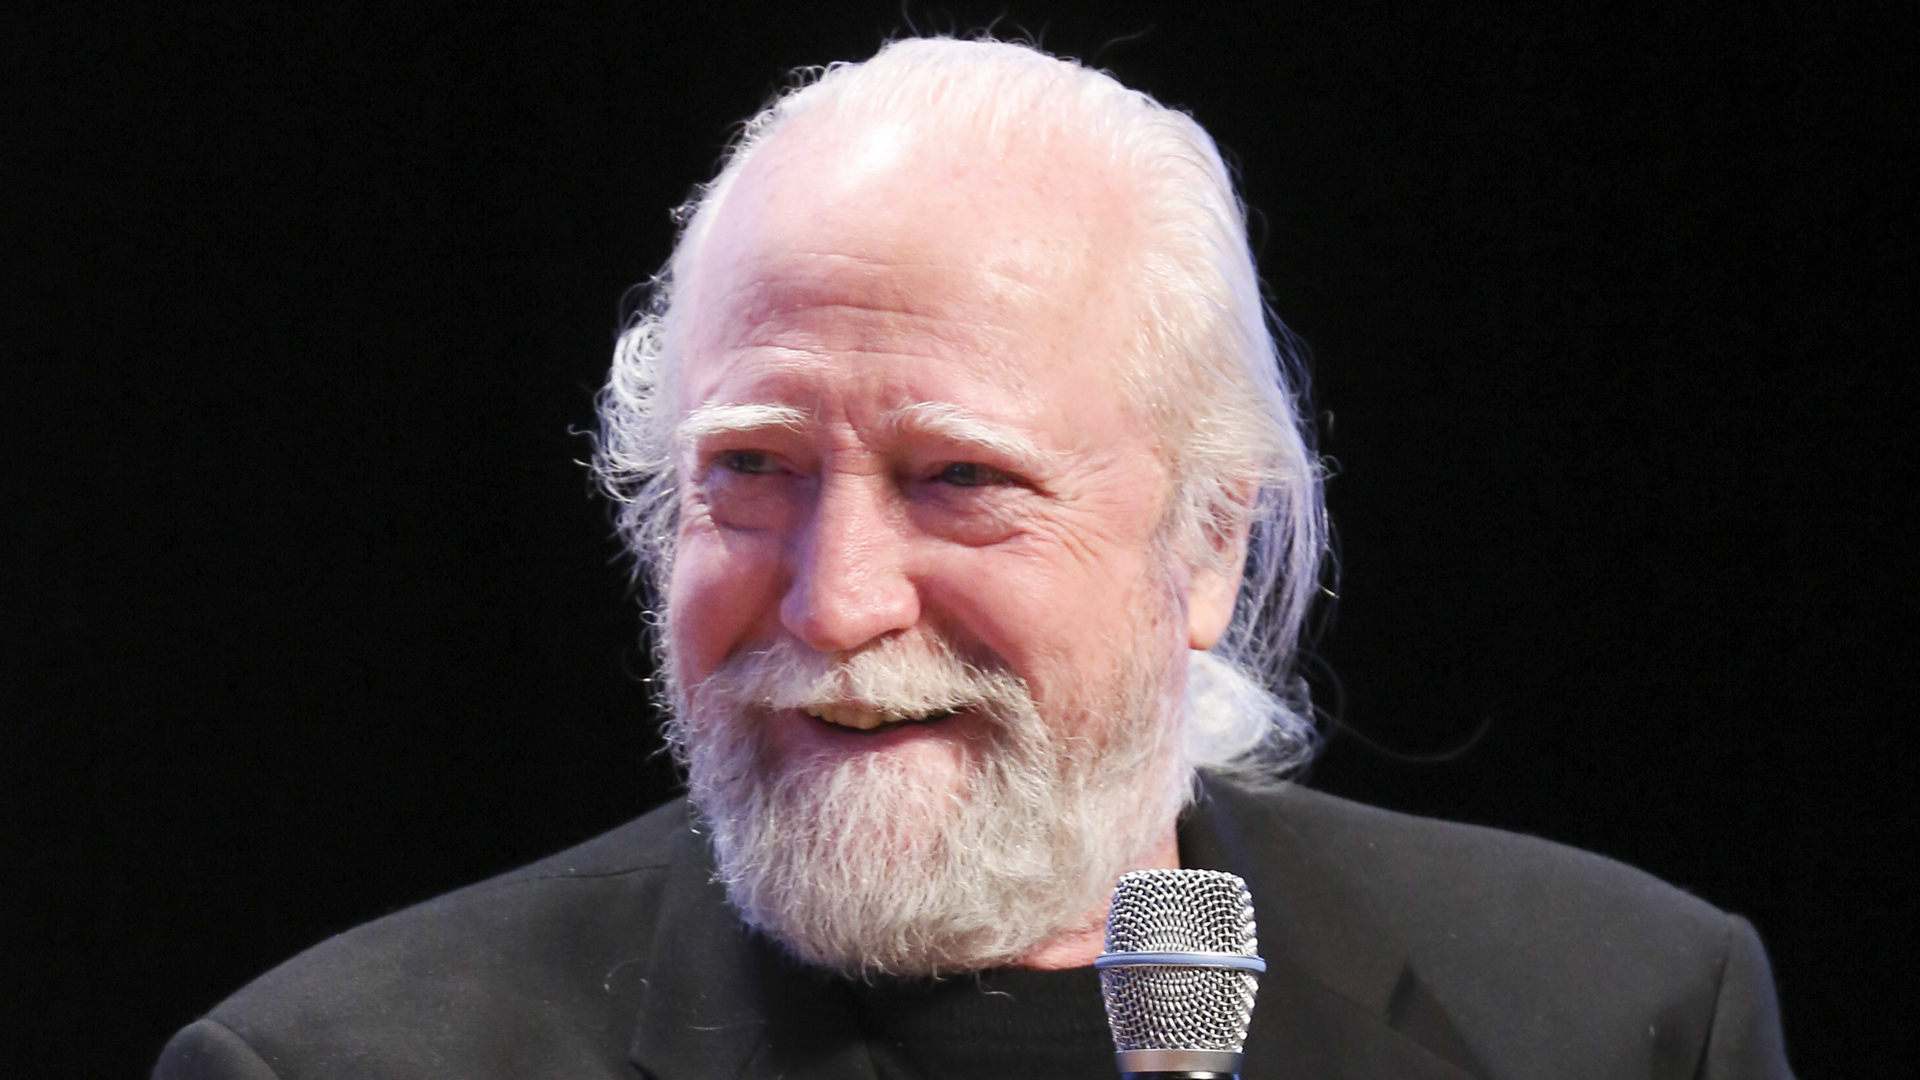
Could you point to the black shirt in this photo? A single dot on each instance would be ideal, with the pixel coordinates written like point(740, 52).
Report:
point(1002, 1023)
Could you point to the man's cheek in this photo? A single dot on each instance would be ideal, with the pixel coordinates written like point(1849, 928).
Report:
point(724, 589)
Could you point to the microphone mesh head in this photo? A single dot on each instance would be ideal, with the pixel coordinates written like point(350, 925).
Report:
point(1180, 1008)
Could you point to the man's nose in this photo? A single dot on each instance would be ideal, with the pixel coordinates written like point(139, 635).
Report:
point(850, 583)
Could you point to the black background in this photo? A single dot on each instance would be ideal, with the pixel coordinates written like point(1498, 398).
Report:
point(315, 617)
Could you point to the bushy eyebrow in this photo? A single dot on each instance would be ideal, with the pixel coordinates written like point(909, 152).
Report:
point(938, 419)
point(955, 424)
point(711, 420)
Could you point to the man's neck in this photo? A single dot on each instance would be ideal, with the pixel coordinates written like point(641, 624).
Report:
point(1077, 947)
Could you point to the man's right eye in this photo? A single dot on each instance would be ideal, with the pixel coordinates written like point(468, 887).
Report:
point(750, 462)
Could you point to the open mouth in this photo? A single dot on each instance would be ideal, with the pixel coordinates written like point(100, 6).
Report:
point(862, 718)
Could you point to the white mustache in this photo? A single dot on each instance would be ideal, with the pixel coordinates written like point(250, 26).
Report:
point(909, 676)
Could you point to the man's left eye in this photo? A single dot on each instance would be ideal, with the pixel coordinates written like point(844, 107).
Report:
point(971, 474)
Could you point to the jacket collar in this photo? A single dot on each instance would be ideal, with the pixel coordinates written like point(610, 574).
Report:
point(1339, 999)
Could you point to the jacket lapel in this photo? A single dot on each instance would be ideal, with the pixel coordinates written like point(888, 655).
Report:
point(1339, 998)
point(720, 1003)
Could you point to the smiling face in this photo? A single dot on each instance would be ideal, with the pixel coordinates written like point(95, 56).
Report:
point(902, 432)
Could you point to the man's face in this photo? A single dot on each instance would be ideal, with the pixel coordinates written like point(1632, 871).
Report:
point(959, 458)
point(903, 423)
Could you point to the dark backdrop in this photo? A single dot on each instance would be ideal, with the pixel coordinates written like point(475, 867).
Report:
point(315, 617)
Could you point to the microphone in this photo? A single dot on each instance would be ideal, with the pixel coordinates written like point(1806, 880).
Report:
point(1179, 974)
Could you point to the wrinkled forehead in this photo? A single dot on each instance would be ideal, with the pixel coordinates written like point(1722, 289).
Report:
point(929, 223)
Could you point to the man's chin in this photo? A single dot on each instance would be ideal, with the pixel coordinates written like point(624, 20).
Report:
point(876, 864)
point(924, 848)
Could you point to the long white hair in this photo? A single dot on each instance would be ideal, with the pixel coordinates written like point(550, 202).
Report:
point(1222, 381)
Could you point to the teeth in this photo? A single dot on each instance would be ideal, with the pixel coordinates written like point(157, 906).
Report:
point(858, 717)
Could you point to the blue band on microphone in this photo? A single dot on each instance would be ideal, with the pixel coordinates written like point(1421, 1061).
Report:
point(1230, 961)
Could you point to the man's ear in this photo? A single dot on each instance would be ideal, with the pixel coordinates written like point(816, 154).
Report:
point(1210, 604)
point(1214, 584)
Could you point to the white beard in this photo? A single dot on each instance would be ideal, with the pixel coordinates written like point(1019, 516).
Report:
point(864, 864)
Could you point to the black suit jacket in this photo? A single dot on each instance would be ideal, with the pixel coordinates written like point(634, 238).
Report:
point(1396, 947)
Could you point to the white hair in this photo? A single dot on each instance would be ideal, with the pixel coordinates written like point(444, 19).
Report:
point(877, 864)
point(1221, 382)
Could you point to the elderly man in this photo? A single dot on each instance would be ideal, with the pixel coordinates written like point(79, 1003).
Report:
point(977, 501)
